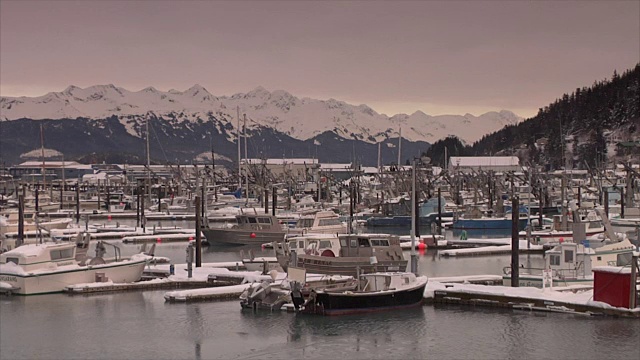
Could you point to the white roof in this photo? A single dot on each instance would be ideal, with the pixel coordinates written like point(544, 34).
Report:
point(484, 161)
point(280, 161)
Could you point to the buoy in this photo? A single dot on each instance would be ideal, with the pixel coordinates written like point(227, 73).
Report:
point(253, 235)
point(190, 238)
point(422, 246)
point(109, 217)
point(561, 240)
point(159, 240)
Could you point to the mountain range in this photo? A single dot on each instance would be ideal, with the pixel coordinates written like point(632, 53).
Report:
point(210, 120)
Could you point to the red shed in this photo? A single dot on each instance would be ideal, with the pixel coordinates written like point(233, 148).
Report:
point(611, 285)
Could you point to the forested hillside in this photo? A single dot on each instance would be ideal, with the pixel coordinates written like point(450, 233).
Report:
point(572, 131)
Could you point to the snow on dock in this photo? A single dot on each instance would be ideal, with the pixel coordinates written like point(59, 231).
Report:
point(160, 238)
point(573, 301)
point(490, 250)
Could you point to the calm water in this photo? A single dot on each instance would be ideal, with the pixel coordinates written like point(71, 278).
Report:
point(140, 325)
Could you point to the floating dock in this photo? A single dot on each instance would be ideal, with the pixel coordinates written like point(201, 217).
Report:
point(523, 298)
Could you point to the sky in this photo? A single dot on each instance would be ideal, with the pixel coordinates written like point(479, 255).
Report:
point(449, 57)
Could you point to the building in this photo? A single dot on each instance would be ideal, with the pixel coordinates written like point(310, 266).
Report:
point(468, 164)
point(32, 170)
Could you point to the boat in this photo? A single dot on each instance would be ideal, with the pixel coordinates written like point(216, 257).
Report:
point(379, 291)
point(274, 295)
point(9, 225)
point(593, 225)
point(342, 254)
point(321, 222)
point(249, 229)
point(571, 263)
point(50, 267)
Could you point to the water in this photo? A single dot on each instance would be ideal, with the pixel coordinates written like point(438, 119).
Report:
point(140, 325)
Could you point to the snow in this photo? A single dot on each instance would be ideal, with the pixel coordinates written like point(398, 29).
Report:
point(579, 298)
point(613, 269)
point(11, 268)
point(221, 290)
point(488, 249)
point(4, 285)
point(299, 118)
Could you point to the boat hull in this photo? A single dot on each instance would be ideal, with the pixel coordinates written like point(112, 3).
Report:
point(536, 281)
point(56, 281)
point(237, 237)
point(343, 303)
point(487, 224)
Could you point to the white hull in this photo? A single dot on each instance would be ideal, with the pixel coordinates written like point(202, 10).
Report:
point(30, 226)
point(536, 281)
point(55, 281)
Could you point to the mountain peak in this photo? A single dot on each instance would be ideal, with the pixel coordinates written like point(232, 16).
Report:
point(259, 92)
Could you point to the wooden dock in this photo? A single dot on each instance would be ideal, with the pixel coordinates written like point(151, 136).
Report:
point(141, 285)
point(462, 297)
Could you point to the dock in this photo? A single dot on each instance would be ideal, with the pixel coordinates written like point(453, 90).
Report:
point(523, 298)
point(486, 248)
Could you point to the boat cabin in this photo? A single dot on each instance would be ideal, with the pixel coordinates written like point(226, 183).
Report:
point(322, 222)
point(258, 222)
point(38, 256)
point(569, 260)
point(386, 281)
point(379, 245)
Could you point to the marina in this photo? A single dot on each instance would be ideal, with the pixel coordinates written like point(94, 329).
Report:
point(319, 180)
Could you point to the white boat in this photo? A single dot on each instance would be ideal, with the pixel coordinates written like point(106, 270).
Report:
point(321, 222)
point(571, 264)
point(50, 267)
point(11, 224)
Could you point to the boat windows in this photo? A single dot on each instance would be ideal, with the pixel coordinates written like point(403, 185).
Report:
point(13, 260)
point(379, 242)
point(252, 220)
point(325, 244)
point(343, 243)
point(330, 222)
point(264, 220)
point(304, 223)
point(61, 254)
point(293, 245)
point(595, 224)
point(622, 259)
point(568, 256)
point(363, 242)
point(554, 260)
point(354, 243)
point(301, 244)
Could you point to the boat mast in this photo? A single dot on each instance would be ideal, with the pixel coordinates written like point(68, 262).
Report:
point(44, 174)
point(379, 156)
point(239, 154)
point(148, 163)
point(246, 156)
point(399, 146)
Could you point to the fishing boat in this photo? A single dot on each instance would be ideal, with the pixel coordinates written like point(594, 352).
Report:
point(342, 254)
point(321, 222)
point(570, 264)
point(50, 267)
point(249, 229)
point(380, 291)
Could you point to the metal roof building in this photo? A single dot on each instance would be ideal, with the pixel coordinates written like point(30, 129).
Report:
point(484, 163)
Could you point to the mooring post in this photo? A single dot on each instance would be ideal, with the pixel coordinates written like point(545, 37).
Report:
point(190, 260)
point(78, 202)
point(20, 219)
point(198, 234)
point(274, 201)
point(439, 212)
point(515, 243)
point(633, 291)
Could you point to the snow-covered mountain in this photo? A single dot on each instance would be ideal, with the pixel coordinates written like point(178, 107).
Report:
point(300, 118)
